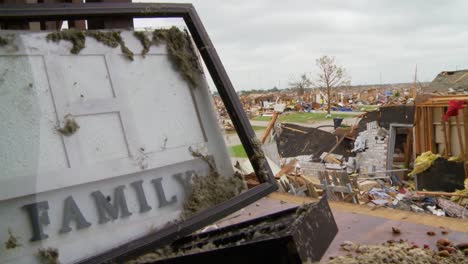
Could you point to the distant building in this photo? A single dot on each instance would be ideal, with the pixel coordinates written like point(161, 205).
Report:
point(449, 81)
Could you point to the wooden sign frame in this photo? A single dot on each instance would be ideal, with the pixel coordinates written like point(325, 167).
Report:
point(57, 12)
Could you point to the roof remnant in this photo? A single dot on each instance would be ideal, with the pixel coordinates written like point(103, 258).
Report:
point(449, 81)
point(314, 142)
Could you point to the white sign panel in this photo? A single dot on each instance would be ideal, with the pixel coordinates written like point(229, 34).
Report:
point(94, 147)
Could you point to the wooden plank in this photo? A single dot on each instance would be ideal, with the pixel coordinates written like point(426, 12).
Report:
point(334, 178)
point(330, 191)
point(417, 125)
point(320, 176)
point(311, 190)
point(465, 128)
point(408, 148)
point(324, 184)
point(423, 130)
point(270, 126)
point(459, 135)
point(426, 130)
point(344, 178)
point(449, 137)
point(442, 194)
point(330, 188)
point(430, 128)
point(354, 181)
point(446, 98)
point(445, 138)
point(354, 195)
point(293, 129)
point(336, 183)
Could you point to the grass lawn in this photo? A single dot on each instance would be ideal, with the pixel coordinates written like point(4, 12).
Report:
point(237, 151)
point(255, 128)
point(368, 108)
point(302, 117)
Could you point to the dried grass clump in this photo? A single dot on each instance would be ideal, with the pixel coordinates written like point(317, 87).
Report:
point(209, 190)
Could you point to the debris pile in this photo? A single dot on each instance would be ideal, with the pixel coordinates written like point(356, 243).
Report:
point(401, 252)
point(421, 202)
point(316, 162)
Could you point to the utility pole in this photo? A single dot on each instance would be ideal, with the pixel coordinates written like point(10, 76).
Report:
point(414, 92)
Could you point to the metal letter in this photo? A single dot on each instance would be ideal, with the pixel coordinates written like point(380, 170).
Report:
point(103, 206)
point(72, 212)
point(144, 207)
point(39, 217)
point(160, 193)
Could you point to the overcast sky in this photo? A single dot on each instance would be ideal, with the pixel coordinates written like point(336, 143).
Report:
point(263, 43)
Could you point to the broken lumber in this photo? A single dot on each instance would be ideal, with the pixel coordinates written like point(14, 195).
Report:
point(286, 169)
point(451, 208)
point(459, 135)
point(269, 127)
point(446, 138)
point(442, 194)
point(465, 128)
point(293, 129)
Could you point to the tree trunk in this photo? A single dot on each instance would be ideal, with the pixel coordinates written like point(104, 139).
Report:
point(328, 100)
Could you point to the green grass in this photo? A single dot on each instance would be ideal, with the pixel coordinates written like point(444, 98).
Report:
point(237, 151)
point(255, 128)
point(301, 117)
point(367, 108)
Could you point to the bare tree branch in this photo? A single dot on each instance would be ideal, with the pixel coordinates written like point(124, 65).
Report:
point(301, 84)
point(330, 76)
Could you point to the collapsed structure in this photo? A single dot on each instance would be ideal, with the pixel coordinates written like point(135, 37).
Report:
point(384, 154)
point(363, 163)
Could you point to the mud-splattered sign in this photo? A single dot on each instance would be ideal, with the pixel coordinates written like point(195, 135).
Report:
point(100, 136)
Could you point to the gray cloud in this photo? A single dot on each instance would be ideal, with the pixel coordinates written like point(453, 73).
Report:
point(267, 43)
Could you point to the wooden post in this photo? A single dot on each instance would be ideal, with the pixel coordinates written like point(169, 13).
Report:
point(417, 126)
point(269, 127)
point(408, 149)
point(449, 137)
point(311, 190)
point(430, 127)
point(426, 130)
point(460, 139)
point(465, 128)
point(442, 194)
point(446, 147)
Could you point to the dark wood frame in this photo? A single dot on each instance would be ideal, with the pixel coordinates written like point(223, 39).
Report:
point(53, 12)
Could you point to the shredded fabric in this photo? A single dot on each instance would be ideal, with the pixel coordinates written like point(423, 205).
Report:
point(453, 107)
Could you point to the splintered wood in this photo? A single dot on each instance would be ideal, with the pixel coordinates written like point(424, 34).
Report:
point(433, 133)
point(338, 186)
